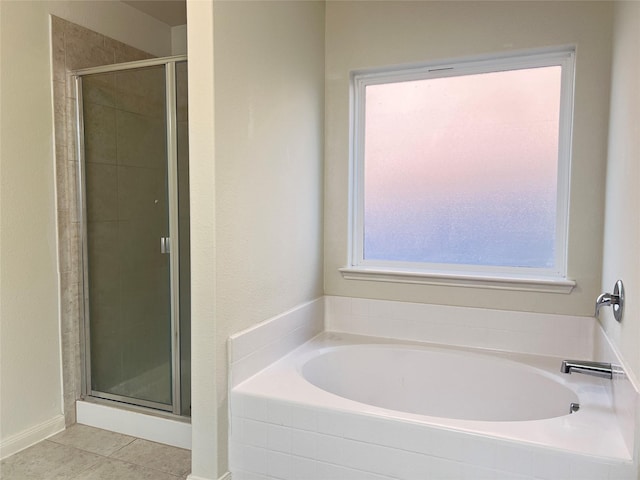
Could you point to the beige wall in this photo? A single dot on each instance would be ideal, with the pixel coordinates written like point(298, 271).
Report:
point(621, 258)
point(269, 103)
point(204, 410)
point(373, 34)
point(31, 392)
point(256, 210)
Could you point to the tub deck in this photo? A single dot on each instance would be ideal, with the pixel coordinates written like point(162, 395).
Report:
point(283, 425)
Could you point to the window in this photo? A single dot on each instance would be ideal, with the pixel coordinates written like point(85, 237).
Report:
point(461, 171)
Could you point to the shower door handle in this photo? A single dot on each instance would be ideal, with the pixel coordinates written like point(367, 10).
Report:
point(165, 245)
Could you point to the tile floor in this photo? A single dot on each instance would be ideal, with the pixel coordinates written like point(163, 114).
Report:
point(87, 453)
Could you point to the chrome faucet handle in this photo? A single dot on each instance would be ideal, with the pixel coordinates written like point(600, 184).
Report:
point(603, 300)
point(615, 299)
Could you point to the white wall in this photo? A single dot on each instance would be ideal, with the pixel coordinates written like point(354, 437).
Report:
point(30, 375)
point(371, 34)
point(204, 408)
point(269, 106)
point(621, 258)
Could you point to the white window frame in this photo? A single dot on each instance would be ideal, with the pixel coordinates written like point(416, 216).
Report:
point(511, 278)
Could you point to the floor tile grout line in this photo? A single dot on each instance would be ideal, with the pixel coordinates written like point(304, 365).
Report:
point(143, 440)
point(143, 466)
point(100, 458)
point(133, 439)
point(160, 444)
point(101, 455)
point(88, 451)
point(177, 475)
point(123, 446)
point(109, 457)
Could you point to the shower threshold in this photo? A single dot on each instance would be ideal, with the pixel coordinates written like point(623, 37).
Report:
point(154, 425)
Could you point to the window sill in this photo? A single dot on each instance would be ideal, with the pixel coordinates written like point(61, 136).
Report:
point(498, 282)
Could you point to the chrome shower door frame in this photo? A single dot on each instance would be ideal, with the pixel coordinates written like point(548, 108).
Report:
point(174, 257)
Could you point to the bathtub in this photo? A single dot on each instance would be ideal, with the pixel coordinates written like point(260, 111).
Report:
point(351, 407)
point(439, 382)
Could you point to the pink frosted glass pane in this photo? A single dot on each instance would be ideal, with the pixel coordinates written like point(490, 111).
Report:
point(463, 170)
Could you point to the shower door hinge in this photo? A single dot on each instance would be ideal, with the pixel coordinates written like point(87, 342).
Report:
point(165, 245)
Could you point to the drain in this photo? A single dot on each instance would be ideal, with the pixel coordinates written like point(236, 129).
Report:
point(574, 407)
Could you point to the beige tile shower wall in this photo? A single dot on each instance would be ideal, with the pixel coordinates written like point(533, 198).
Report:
point(74, 47)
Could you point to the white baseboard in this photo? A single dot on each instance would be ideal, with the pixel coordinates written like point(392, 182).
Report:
point(226, 476)
point(157, 429)
point(31, 436)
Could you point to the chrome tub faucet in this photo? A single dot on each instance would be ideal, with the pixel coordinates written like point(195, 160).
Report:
point(596, 369)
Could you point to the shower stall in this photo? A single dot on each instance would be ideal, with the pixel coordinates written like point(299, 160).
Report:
point(132, 138)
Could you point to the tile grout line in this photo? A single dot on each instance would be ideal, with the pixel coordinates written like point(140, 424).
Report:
point(101, 458)
point(98, 460)
point(141, 465)
point(134, 439)
point(51, 439)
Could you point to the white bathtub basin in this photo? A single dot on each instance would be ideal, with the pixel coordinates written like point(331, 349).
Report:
point(439, 383)
point(338, 383)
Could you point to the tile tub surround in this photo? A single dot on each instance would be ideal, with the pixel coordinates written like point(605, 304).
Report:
point(561, 336)
point(86, 453)
point(523, 332)
point(255, 348)
point(282, 427)
point(73, 47)
point(626, 400)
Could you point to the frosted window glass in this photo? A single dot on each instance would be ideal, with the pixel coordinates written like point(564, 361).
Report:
point(463, 170)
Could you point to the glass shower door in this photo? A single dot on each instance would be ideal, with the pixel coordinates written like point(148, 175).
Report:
point(128, 269)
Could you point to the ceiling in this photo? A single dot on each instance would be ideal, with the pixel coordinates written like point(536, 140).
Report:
point(171, 12)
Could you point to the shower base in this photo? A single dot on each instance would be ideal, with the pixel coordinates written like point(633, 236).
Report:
point(127, 420)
